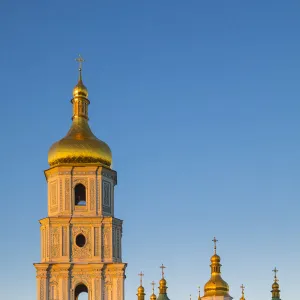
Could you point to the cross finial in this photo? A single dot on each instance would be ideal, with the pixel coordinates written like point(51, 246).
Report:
point(162, 270)
point(190, 297)
point(275, 274)
point(215, 244)
point(153, 284)
point(199, 290)
point(80, 60)
point(141, 278)
point(243, 289)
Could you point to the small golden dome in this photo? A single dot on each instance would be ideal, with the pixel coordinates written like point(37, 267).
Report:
point(163, 282)
point(275, 286)
point(153, 297)
point(141, 289)
point(80, 90)
point(215, 258)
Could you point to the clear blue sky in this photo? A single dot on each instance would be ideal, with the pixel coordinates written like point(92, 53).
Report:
point(200, 104)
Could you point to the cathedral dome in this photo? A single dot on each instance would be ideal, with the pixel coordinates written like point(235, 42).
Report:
point(80, 145)
point(216, 286)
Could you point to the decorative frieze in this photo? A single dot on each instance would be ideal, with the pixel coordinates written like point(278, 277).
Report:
point(55, 242)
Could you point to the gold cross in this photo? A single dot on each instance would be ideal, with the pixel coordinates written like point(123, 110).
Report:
point(80, 60)
point(243, 289)
point(153, 284)
point(215, 242)
point(141, 279)
point(162, 270)
point(275, 276)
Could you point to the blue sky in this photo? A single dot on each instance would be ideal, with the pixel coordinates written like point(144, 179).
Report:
point(199, 102)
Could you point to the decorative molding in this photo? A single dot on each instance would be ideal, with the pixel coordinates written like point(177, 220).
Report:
point(85, 251)
point(55, 242)
point(81, 180)
point(60, 195)
point(96, 241)
point(67, 194)
point(92, 193)
point(108, 175)
point(64, 241)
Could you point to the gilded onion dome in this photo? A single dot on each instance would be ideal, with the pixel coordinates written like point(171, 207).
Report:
point(141, 291)
point(275, 287)
point(163, 287)
point(153, 296)
point(80, 145)
point(216, 286)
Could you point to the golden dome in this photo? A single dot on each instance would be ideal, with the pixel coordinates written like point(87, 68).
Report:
point(80, 90)
point(216, 286)
point(275, 286)
point(162, 282)
point(80, 145)
point(153, 297)
point(141, 290)
point(215, 258)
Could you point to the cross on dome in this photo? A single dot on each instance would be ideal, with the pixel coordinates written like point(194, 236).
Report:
point(243, 288)
point(215, 244)
point(162, 270)
point(153, 284)
point(275, 274)
point(80, 60)
point(141, 278)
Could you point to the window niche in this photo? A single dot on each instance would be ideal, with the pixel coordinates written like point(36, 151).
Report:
point(80, 195)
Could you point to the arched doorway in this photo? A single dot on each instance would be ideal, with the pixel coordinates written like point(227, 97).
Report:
point(81, 292)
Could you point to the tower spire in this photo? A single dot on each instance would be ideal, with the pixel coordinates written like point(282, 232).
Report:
point(275, 286)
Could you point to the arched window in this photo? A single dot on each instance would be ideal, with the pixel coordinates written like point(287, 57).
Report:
point(80, 195)
point(81, 292)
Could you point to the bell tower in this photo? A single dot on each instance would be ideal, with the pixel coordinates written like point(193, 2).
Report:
point(81, 240)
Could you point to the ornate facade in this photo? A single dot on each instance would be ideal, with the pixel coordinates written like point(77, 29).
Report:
point(81, 240)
